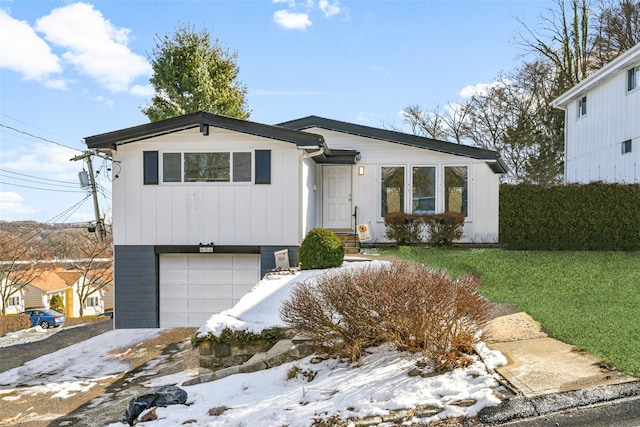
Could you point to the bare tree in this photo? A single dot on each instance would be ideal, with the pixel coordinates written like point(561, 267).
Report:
point(94, 263)
point(617, 28)
point(564, 41)
point(19, 265)
point(426, 123)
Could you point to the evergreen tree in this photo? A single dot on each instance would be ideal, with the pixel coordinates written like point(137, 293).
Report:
point(191, 74)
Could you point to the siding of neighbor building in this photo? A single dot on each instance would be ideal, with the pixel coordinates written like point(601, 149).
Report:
point(594, 141)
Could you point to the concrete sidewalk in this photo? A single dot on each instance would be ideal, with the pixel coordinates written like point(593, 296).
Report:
point(548, 375)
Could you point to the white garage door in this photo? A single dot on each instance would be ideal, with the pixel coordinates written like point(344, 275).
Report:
point(193, 287)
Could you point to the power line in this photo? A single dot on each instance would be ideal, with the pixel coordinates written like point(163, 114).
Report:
point(43, 189)
point(39, 137)
point(37, 177)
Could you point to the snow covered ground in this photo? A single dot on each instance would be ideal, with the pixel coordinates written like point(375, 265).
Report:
point(378, 384)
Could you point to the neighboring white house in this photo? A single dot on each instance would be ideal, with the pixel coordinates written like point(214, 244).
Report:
point(602, 123)
point(15, 303)
point(201, 202)
point(65, 283)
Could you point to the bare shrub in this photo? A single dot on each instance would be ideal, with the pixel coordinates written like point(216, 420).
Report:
point(13, 322)
point(416, 309)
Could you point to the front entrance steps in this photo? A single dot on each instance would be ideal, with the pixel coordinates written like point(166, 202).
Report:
point(284, 351)
point(350, 242)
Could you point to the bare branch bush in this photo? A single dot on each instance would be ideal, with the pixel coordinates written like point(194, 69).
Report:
point(416, 309)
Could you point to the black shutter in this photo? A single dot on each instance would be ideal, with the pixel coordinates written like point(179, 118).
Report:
point(263, 167)
point(150, 167)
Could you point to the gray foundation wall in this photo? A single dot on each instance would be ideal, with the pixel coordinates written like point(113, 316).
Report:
point(136, 287)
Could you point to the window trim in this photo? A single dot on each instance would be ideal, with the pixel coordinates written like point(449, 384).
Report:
point(436, 186)
point(582, 106)
point(633, 78)
point(231, 170)
point(97, 302)
point(440, 184)
point(379, 196)
point(467, 218)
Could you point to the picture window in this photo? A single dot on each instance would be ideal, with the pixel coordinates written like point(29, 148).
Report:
point(207, 167)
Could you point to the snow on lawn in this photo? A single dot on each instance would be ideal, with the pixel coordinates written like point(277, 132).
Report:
point(378, 384)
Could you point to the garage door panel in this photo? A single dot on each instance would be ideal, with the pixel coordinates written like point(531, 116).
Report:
point(241, 290)
point(193, 287)
point(174, 319)
point(174, 276)
point(210, 291)
point(174, 262)
point(171, 290)
point(211, 305)
point(246, 261)
point(244, 277)
point(219, 261)
point(210, 276)
point(172, 305)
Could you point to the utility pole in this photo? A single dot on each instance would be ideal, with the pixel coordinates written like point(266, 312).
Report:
point(100, 232)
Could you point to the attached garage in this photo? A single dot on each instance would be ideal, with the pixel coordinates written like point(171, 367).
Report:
point(195, 286)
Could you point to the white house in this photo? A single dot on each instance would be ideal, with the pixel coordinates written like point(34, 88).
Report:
point(602, 123)
point(201, 202)
point(15, 301)
point(65, 283)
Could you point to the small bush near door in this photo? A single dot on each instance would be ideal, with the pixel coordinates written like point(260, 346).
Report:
point(321, 248)
point(416, 309)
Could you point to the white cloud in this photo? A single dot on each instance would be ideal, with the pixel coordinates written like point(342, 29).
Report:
point(93, 45)
point(14, 207)
point(329, 9)
point(365, 117)
point(140, 90)
point(48, 160)
point(290, 3)
point(481, 88)
point(291, 20)
point(23, 51)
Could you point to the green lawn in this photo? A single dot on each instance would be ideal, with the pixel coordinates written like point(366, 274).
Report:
point(588, 299)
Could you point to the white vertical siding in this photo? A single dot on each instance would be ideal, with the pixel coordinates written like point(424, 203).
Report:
point(482, 224)
point(594, 142)
point(192, 213)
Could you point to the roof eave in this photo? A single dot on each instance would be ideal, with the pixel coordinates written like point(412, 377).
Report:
point(111, 140)
point(621, 63)
point(399, 138)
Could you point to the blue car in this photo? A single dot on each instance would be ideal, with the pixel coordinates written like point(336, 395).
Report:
point(45, 317)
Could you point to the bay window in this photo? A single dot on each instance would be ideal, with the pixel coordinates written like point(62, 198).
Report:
point(424, 189)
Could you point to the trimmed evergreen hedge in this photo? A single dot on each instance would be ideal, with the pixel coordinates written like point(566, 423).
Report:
point(595, 216)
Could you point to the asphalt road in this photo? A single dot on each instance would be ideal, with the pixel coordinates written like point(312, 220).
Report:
point(16, 355)
point(618, 413)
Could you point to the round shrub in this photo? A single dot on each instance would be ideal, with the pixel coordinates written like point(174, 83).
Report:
point(321, 248)
point(56, 303)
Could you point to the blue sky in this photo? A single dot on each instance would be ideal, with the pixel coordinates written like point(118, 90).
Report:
point(71, 69)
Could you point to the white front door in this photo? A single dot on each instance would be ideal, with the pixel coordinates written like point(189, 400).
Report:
point(336, 197)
